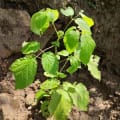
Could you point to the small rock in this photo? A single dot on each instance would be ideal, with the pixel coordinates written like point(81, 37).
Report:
point(11, 108)
point(117, 93)
point(7, 99)
point(30, 97)
point(12, 102)
point(19, 93)
point(30, 107)
point(14, 29)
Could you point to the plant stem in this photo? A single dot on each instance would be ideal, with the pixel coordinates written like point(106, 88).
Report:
point(57, 36)
point(68, 24)
point(48, 48)
point(64, 66)
point(42, 51)
point(63, 60)
point(54, 27)
point(72, 19)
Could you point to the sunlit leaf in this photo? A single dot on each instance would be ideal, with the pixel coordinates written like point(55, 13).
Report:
point(87, 19)
point(77, 52)
point(87, 48)
point(24, 70)
point(67, 11)
point(52, 14)
point(39, 22)
point(63, 53)
point(60, 105)
point(58, 57)
point(50, 75)
point(83, 26)
point(30, 47)
point(67, 85)
point(75, 63)
point(40, 94)
point(61, 75)
point(93, 67)
point(60, 34)
point(50, 84)
point(71, 39)
point(50, 63)
point(80, 96)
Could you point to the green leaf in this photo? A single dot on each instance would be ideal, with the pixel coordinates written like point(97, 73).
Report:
point(71, 39)
point(58, 56)
point(93, 67)
point(67, 85)
point(30, 47)
point(50, 84)
point(24, 70)
point(77, 52)
point(80, 96)
point(52, 14)
point(63, 53)
point(61, 75)
point(60, 34)
point(87, 48)
point(44, 108)
point(39, 22)
point(87, 19)
point(84, 96)
point(83, 26)
point(40, 94)
point(75, 63)
point(67, 11)
point(60, 105)
point(50, 63)
point(56, 43)
point(50, 75)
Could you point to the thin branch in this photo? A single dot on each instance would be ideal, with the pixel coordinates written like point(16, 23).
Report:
point(42, 51)
point(63, 60)
point(72, 19)
point(68, 24)
point(47, 48)
point(64, 66)
point(57, 36)
point(54, 27)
